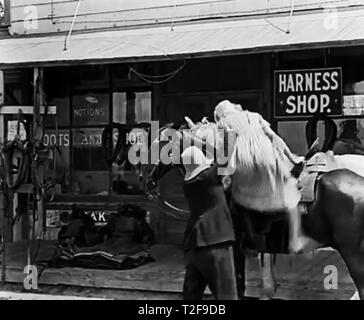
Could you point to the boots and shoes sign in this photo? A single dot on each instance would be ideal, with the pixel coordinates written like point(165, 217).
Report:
point(306, 93)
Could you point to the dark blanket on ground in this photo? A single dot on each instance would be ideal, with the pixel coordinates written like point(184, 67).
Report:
point(122, 244)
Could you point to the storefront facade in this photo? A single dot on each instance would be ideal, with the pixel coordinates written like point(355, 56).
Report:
point(90, 95)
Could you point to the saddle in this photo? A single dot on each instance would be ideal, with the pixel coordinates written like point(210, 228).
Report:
point(319, 163)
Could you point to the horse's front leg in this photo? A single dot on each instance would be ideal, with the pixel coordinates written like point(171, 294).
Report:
point(298, 242)
point(269, 284)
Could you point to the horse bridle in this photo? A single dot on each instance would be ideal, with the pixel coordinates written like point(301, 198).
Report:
point(153, 194)
point(151, 184)
point(162, 203)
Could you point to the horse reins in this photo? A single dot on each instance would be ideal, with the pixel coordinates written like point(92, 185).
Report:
point(157, 197)
point(153, 195)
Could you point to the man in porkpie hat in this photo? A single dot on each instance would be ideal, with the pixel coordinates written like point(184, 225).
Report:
point(209, 235)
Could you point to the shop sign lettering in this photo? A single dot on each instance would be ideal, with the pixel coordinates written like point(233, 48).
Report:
point(88, 138)
point(307, 92)
point(100, 217)
point(53, 139)
point(137, 136)
point(89, 112)
point(90, 109)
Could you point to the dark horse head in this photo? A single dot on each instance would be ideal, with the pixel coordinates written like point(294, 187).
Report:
point(172, 140)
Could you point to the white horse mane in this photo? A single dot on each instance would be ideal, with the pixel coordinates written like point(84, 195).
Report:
point(254, 151)
point(261, 169)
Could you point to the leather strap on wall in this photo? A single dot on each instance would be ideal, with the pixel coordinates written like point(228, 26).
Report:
point(330, 132)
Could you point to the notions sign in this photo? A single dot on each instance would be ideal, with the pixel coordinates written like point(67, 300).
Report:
point(308, 92)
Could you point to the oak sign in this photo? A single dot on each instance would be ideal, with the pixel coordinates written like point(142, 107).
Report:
point(303, 93)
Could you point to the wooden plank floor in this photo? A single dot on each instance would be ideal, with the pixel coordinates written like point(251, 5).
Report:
point(298, 277)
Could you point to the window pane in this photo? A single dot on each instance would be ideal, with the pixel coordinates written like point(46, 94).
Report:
point(91, 109)
point(294, 134)
point(350, 136)
point(88, 153)
point(91, 182)
point(138, 104)
point(12, 129)
point(353, 104)
point(63, 113)
point(125, 176)
point(62, 140)
point(90, 173)
point(143, 106)
point(119, 107)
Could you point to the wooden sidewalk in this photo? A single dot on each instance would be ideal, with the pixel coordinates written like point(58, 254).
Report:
point(298, 277)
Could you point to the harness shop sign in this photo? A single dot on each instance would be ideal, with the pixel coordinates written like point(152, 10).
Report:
point(302, 93)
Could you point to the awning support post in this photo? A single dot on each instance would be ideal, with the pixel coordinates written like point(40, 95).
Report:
point(3, 220)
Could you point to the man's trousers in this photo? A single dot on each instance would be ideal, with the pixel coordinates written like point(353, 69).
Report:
point(211, 266)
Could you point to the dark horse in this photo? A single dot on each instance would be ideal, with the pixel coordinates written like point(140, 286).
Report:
point(335, 218)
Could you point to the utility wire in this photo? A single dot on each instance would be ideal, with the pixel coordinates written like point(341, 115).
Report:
point(290, 16)
point(72, 24)
point(173, 15)
point(289, 20)
point(195, 16)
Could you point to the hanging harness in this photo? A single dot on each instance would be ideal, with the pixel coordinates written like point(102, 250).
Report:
point(330, 132)
point(8, 152)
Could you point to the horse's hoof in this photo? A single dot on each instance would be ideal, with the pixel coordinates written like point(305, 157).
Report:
point(299, 246)
point(268, 293)
point(355, 296)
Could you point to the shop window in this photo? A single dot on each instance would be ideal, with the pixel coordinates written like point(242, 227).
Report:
point(84, 107)
point(90, 172)
point(143, 106)
point(353, 99)
point(119, 107)
point(294, 134)
point(62, 117)
point(18, 88)
point(128, 108)
point(350, 136)
point(132, 107)
point(59, 170)
point(88, 154)
point(90, 113)
point(353, 80)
